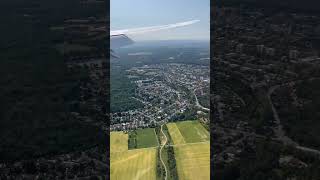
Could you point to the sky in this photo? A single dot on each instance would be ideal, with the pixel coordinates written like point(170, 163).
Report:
point(127, 14)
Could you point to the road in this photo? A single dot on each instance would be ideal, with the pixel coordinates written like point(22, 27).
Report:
point(164, 165)
point(197, 102)
point(279, 129)
point(280, 133)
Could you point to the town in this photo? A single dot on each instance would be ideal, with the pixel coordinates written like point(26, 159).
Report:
point(167, 91)
point(257, 53)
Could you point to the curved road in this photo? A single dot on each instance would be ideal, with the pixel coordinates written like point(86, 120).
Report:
point(280, 133)
point(197, 102)
point(164, 165)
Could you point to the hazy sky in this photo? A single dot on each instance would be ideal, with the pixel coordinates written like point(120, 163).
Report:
point(140, 13)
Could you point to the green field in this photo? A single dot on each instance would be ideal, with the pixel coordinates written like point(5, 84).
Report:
point(175, 134)
point(133, 164)
point(146, 138)
point(193, 161)
point(191, 148)
point(193, 131)
point(118, 142)
point(188, 132)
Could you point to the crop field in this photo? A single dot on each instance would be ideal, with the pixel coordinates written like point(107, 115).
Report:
point(118, 142)
point(193, 161)
point(146, 138)
point(193, 131)
point(133, 164)
point(190, 141)
point(191, 149)
point(175, 133)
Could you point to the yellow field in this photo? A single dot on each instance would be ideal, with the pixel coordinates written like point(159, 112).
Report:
point(193, 161)
point(118, 142)
point(191, 149)
point(193, 131)
point(139, 164)
point(175, 133)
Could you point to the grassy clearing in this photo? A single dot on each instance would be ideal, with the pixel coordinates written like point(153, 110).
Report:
point(193, 161)
point(175, 133)
point(193, 131)
point(143, 138)
point(118, 142)
point(133, 164)
point(146, 138)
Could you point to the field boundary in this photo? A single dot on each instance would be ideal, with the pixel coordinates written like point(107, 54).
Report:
point(204, 142)
point(155, 147)
point(174, 126)
point(154, 130)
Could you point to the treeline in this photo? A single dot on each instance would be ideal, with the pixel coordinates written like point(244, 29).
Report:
point(132, 140)
point(262, 163)
point(39, 95)
point(301, 123)
point(172, 163)
point(161, 173)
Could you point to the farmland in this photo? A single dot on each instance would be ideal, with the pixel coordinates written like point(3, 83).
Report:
point(130, 164)
point(146, 138)
point(187, 156)
point(134, 164)
point(193, 161)
point(175, 133)
point(193, 131)
point(142, 138)
point(191, 149)
point(118, 142)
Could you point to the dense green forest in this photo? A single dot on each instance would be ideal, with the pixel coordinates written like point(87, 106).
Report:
point(262, 163)
point(301, 122)
point(122, 91)
point(38, 92)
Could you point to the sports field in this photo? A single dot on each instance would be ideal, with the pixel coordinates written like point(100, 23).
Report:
point(146, 138)
point(118, 142)
point(139, 164)
point(193, 131)
point(175, 133)
point(193, 161)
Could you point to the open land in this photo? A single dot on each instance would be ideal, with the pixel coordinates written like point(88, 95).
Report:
point(175, 133)
point(146, 138)
point(131, 164)
point(189, 157)
point(118, 142)
point(193, 161)
point(134, 164)
point(191, 149)
point(193, 131)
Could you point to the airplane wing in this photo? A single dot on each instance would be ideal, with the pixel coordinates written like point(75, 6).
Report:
point(119, 38)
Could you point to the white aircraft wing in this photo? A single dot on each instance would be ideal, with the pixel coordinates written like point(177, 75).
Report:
point(119, 38)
